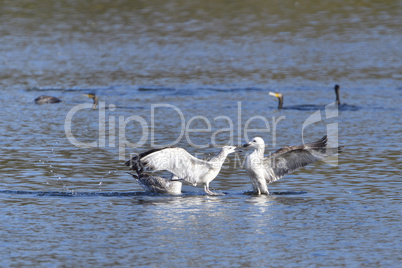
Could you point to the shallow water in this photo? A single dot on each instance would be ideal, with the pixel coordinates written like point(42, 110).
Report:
point(68, 206)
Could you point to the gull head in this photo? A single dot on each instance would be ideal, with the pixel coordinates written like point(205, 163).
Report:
point(256, 142)
point(229, 149)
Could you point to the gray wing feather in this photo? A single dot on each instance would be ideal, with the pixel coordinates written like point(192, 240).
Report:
point(288, 162)
point(177, 161)
point(290, 158)
point(154, 184)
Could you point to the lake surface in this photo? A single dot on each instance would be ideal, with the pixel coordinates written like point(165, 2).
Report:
point(197, 75)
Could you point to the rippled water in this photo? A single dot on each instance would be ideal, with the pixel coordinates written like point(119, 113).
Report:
point(68, 206)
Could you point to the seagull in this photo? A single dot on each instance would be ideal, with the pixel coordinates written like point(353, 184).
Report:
point(158, 185)
point(184, 167)
point(46, 99)
point(264, 170)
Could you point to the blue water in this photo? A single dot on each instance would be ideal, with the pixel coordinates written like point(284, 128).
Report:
point(175, 67)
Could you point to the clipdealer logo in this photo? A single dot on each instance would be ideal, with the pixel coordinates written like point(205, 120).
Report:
point(237, 131)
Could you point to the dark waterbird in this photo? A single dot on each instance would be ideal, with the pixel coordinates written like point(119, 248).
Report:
point(264, 170)
point(343, 106)
point(94, 98)
point(294, 107)
point(46, 99)
point(311, 106)
point(184, 167)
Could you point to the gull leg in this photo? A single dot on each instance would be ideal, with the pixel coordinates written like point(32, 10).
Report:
point(209, 192)
point(259, 191)
point(206, 189)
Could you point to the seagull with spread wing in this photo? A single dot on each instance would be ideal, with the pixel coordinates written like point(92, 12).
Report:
point(184, 167)
point(264, 170)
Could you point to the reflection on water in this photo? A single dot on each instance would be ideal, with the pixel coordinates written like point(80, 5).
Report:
point(63, 205)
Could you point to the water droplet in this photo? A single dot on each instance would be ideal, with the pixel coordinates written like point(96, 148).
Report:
point(112, 107)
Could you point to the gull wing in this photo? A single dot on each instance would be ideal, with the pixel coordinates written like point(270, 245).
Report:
point(175, 160)
point(155, 184)
point(290, 158)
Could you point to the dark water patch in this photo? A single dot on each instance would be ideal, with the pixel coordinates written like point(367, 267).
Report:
point(289, 193)
point(118, 107)
point(56, 89)
point(347, 107)
point(155, 88)
point(229, 89)
point(139, 193)
point(191, 88)
point(314, 107)
point(280, 193)
point(72, 193)
point(103, 194)
point(38, 89)
point(306, 107)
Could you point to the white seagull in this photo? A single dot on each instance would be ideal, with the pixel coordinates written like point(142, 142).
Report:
point(184, 167)
point(264, 170)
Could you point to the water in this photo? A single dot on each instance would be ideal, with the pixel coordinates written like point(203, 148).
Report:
point(69, 206)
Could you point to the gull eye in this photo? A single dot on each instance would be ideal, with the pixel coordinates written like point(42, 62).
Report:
point(253, 140)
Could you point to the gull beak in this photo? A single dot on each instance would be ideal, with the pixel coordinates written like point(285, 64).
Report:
point(246, 145)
